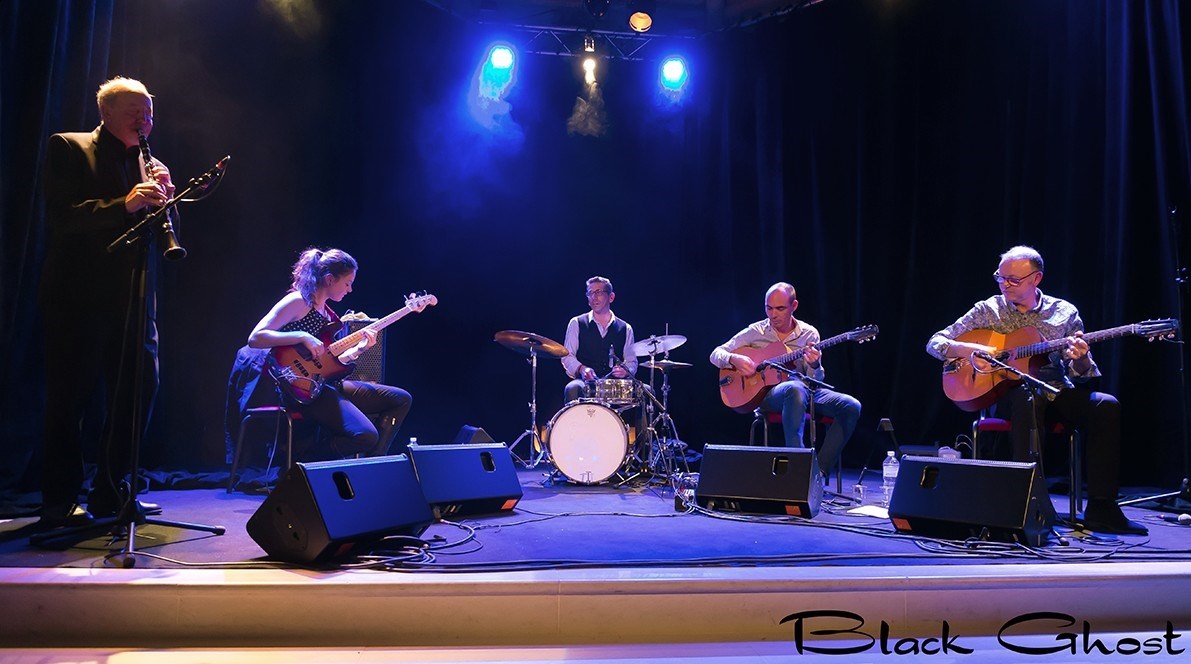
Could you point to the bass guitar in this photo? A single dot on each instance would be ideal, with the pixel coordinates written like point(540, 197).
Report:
point(1026, 351)
point(302, 377)
point(744, 393)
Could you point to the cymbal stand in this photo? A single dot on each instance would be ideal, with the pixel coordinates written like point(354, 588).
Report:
point(537, 451)
point(660, 459)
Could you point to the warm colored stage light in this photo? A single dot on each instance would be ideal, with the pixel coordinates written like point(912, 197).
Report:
point(641, 14)
point(589, 69)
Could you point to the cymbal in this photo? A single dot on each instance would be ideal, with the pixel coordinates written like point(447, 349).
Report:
point(655, 344)
point(522, 342)
point(664, 365)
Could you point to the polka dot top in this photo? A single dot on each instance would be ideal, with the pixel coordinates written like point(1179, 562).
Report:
point(312, 323)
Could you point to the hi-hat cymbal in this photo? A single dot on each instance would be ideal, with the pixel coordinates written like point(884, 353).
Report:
point(655, 344)
point(523, 342)
point(664, 365)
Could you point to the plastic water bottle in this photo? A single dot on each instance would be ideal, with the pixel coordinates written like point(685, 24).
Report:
point(946, 452)
point(889, 469)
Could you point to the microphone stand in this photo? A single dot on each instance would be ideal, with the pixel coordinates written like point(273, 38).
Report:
point(133, 512)
point(1035, 388)
point(204, 184)
point(1181, 280)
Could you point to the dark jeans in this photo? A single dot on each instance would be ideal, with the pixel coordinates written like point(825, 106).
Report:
point(790, 399)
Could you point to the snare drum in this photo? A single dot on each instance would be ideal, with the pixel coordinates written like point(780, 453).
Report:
point(588, 442)
point(612, 391)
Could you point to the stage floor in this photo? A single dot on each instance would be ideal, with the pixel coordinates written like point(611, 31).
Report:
point(579, 565)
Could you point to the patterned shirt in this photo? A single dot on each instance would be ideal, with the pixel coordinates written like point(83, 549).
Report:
point(1053, 318)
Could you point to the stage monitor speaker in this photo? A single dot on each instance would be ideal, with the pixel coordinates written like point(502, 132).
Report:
point(964, 498)
point(370, 366)
point(469, 435)
point(327, 509)
point(458, 480)
point(759, 480)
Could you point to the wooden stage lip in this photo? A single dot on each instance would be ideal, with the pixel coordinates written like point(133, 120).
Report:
point(287, 608)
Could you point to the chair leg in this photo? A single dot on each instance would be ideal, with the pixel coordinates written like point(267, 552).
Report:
point(753, 432)
point(231, 479)
point(289, 443)
point(975, 442)
point(1075, 493)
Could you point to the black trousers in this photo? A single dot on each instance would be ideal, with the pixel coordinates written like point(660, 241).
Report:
point(347, 412)
point(1097, 415)
point(91, 351)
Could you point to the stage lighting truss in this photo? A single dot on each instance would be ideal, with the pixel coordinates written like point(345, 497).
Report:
point(578, 42)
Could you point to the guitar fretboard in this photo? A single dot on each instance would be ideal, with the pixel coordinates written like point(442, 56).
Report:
point(356, 337)
point(1044, 347)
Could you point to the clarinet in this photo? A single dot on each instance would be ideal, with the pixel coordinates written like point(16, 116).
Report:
point(174, 251)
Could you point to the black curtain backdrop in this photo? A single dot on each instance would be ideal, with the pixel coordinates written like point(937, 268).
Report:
point(879, 155)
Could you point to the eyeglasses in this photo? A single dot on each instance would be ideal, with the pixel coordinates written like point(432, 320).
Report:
point(593, 293)
point(1012, 281)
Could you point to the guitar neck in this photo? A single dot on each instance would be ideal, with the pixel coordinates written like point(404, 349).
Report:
point(339, 347)
point(1044, 347)
point(797, 353)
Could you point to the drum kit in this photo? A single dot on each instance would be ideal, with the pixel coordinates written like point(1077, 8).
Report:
point(588, 441)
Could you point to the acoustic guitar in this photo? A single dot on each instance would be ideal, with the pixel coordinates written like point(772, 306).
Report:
point(744, 393)
point(1026, 351)
point(302, 377)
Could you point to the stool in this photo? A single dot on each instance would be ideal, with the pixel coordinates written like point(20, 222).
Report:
point(282, 414)
point(985, 424)
point(766, 418)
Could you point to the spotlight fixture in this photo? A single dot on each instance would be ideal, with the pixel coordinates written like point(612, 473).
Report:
point(597, 8)
point(588, 43)
point(641, 14)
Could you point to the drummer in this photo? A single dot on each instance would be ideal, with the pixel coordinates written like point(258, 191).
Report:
point(599, 342)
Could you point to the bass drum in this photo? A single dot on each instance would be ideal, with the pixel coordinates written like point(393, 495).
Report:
point(588, 442)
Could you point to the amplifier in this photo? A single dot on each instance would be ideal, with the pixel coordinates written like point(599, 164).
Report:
point(370, 367)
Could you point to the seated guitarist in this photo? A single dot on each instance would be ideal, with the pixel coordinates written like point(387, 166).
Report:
point(1021, 304)
point(790, 397)
point(303, 317)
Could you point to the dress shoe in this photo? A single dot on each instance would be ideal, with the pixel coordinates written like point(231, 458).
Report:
point(60, 516)
point(1105, 516)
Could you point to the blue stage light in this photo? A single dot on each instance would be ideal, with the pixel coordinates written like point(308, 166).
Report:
point(501, 57)
point(673, 74)
point(497, 74)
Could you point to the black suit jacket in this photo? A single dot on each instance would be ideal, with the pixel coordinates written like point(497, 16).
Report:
point(88, 175)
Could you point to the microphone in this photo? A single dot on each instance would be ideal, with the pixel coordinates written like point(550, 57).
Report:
point(1183, 519)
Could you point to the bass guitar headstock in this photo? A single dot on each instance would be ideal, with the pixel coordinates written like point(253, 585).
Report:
point(420, 300)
